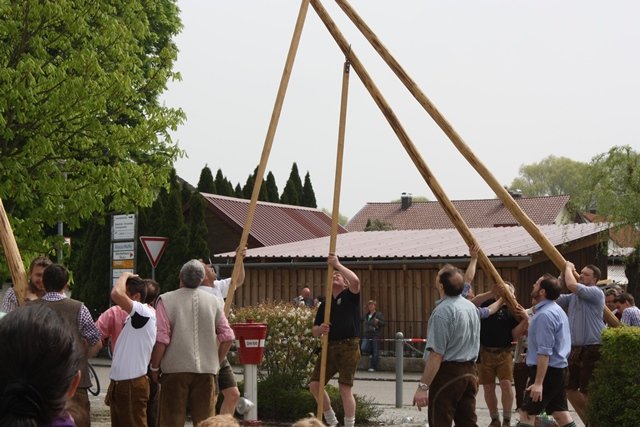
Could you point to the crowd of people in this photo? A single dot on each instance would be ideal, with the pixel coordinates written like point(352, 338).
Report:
point(169, 350)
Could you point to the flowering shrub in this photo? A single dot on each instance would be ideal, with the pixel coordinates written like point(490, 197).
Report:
point(289, 346)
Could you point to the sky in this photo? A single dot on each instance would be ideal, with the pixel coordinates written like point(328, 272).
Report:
point(518, 80)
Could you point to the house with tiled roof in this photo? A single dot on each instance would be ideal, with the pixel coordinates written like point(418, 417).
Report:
point(273, 223)
point(398, 268)
point(409, 215)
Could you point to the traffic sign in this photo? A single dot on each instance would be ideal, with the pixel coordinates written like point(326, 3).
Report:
point(154, 248)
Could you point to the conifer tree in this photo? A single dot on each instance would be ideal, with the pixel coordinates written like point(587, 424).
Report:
point(292, 193)
point(238, 191)
point(272, 189)
point(198, 230)
point(247, 190)
point(223, 186)
point(206, 183)
point(308, 196)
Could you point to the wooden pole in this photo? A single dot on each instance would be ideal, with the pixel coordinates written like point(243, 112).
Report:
point(266, 149)
point(335, 214)
point(522, 218)
point(410, 148)
point(12, 254)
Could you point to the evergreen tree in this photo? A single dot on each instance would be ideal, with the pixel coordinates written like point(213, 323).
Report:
point(308, 196)
point(206, 183)
point(292, 193)
point(223, 185)
point(238, 191)
point(198, 230)
point(272, 189)
point(247, 190)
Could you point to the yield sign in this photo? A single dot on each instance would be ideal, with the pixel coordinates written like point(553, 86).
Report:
point(154, 248)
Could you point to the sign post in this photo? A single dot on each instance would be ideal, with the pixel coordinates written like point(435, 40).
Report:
point(154, 247)
point(123, 245)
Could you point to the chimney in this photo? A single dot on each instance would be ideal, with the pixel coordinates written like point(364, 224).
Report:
point(405, 201)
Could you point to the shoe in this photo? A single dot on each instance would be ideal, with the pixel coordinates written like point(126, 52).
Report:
point(495, 423)
point(371, 370)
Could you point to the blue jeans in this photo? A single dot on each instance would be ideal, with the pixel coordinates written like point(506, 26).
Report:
point(371, 346)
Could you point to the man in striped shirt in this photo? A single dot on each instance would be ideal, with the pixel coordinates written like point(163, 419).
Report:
point(627, 306)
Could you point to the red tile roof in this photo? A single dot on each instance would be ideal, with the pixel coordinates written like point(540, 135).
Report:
point(273, 223)
point(440, 243)
point(476, 213)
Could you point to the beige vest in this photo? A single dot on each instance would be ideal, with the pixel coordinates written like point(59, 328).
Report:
point(193, 315)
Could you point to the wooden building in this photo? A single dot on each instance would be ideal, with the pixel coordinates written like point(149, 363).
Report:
point(398, 268)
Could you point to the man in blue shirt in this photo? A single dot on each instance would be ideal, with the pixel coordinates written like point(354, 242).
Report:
point(547, 353)
point(584, 305)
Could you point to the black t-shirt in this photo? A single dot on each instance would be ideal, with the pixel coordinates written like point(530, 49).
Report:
point(495, 330)
point(344, 318)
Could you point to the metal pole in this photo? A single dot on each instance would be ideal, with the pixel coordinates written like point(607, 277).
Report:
point(153, 273)
point(399, 368)
point(61, 244)
point(251, 390)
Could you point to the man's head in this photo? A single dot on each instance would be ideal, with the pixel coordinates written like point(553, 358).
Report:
point(371, 305)
point(546, 287)
point(339, 281)
point(624, 301)
point(36, 268)
point(589, 275)
point(55, 278)
point(306, 293)
point(192, 274)
point(136, 288)
point(153, 290)
point(210, 273)
point(451, 279)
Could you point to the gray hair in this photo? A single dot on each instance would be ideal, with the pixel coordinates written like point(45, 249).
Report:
point(192, 274)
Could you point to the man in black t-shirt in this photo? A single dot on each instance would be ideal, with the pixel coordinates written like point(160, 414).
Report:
point(343, 353)
point(497, 332)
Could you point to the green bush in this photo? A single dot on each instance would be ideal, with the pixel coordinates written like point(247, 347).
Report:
point(614, 395)
point(289, 347)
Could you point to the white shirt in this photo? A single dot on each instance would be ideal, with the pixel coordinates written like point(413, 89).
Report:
point(132, 353)
point(220, 287)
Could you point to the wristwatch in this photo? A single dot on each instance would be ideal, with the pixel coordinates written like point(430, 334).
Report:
point(423, 386)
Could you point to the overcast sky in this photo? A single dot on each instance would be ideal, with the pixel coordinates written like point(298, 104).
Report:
point(518, 80)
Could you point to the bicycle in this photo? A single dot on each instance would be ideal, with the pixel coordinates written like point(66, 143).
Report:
point(94, 389)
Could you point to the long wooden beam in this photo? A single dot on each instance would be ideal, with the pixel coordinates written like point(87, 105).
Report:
point(266, 149)
point(410, 148)
point(12, 254)
point(522, 218)
point(335, 215)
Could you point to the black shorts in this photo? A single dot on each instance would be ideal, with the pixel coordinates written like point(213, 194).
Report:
point(554, 396)
point(226, 377)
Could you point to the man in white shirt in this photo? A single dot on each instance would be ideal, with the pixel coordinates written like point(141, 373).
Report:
point(128, 391)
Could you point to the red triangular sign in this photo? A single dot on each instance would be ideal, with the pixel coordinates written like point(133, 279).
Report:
point(154, 248)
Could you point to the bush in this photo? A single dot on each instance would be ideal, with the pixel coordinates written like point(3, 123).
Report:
point(289, 346)
point(615, 392)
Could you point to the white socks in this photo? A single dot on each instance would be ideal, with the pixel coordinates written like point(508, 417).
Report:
point(330, 417)
point(349, 422)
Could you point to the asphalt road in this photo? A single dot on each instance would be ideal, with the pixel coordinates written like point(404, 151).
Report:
point(379, 386)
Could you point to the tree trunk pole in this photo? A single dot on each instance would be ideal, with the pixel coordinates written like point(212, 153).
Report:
point(335, 214)
point(266, 149)
point(522, 218)
point(410, 148)
point(12, 254)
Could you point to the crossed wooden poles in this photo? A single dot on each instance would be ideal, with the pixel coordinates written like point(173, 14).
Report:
point(17, 268)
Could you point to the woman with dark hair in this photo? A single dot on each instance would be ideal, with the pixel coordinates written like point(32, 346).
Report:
point(39, 368)
point(36, 287)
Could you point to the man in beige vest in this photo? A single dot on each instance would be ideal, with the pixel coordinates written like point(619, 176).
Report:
point(55, 278)
point(193, 337)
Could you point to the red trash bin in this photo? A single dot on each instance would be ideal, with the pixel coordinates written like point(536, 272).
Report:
point(251, 337)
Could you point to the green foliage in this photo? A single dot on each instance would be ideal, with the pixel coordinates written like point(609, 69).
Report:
point(554, 176)
point(275, 402)
point(615, 180)
point(289, 345)
point(205, 183)
point(198, 230)
point(615, 392)
point(292, 193)
point(632, 271)
point(224, 186)
point(247, 190)
point(342, 219)
point(377, 225)
point(308, 196)
point(272, 189)
point(237, 192)
point(82, 128)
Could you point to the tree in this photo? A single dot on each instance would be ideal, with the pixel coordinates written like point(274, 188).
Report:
point(377, 225)
point(292, 193)
point(205, 183)
point(82, 128)
point(238, 191)
point(198, 231)
point(554, 176)
point(272, 189)
point(308, 196)
point(223, 185)
point(247, 190)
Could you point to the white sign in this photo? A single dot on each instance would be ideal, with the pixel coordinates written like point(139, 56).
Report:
point(123, 227)
point(117, 272)
point(123, 246)
point(118, 255)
